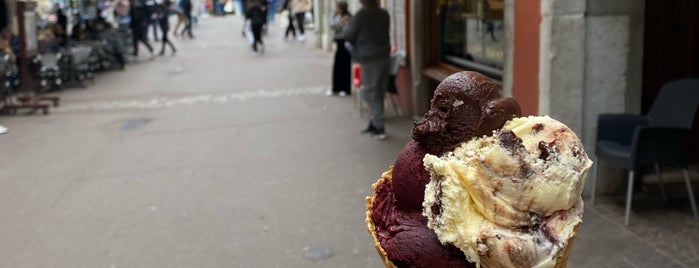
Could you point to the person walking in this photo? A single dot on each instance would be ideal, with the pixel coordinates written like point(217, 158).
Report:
point(273, 6)
point(181, 18)
point(162, 14)
point(299, 9)
point(368, 35)
point(187, 10)
point(289, 28)
point(342, 66)
point(257, 15)
point(139, 27)
point(152, 18)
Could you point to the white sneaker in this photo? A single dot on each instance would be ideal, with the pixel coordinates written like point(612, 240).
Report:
point(378, 136)
point(3, 130)
point(342, 94)
point(301, 38)
point(329, 93)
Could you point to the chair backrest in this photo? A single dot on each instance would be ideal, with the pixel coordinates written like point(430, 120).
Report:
point(676, 104)
point(660, 145)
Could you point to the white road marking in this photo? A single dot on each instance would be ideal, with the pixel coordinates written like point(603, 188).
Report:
point(160, 103)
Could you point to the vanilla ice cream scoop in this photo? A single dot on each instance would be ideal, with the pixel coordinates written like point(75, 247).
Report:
point(511, 199)
point(531, 168)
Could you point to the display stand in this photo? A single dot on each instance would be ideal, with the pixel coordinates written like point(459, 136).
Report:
point(28, 49)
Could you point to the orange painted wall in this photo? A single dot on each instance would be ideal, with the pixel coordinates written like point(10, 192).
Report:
point(525, 80)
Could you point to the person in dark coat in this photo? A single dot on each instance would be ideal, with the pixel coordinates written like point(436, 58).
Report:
point(162, 15)
point(257, 15)
point(139, 27)
point(368, 32)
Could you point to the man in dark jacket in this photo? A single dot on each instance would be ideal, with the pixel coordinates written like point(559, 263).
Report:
point(139, 27)
point(369, 38)
point(257, 14)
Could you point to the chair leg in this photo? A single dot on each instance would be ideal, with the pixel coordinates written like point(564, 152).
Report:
point(594, 181)
point(662, 182)
point(629, 194)
point(395, 105)
point(691, 194)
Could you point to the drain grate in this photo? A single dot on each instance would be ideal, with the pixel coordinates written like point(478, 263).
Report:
point(318, 254)
point(134, 124)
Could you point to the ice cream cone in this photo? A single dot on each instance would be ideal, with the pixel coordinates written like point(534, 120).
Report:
point(370, 223)
point(561, 262)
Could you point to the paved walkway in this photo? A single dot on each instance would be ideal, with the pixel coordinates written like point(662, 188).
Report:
point(217, 157)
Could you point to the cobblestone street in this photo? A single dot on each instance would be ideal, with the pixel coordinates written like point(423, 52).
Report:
point(218, 157)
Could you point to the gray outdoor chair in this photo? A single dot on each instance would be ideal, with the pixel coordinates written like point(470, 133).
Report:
point(633, 141)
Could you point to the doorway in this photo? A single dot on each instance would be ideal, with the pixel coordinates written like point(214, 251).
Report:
point(671, 51)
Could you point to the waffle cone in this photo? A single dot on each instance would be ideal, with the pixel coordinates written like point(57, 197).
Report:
point(388, 175)
point(561, 262)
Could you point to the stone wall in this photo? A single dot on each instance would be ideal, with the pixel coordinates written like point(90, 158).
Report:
point(562, 61)
point(591, 63)
point(613, 71)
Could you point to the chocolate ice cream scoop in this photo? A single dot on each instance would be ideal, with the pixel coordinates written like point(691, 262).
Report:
point(465, 105)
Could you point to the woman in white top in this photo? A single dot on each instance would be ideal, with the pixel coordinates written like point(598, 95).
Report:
point(342, 77)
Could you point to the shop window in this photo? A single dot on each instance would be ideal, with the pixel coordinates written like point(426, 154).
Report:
point(471, 34)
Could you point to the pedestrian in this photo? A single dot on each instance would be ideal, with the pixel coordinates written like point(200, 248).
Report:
point(369, 39)
point(257, 15)
point(152, 20)
point(162, 12)
point(290, 27)
point(62, 21)
point(187, 10)
point(342, 66)
point(139, 27)
point(272, 10)
point(181, 18)
point(214, 8)
point(299, 9)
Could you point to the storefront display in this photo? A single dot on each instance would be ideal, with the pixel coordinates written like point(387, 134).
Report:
point(470, 34)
